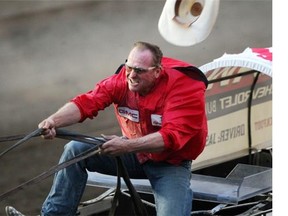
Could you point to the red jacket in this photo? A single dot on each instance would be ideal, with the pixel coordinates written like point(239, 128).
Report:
point(175, 108)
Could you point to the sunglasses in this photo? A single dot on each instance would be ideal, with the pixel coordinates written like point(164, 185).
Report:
point(138, 70)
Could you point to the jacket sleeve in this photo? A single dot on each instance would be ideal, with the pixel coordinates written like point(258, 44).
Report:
point(184, 117)
point(103, 95)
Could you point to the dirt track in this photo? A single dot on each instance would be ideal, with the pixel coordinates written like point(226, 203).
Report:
point(49, 54)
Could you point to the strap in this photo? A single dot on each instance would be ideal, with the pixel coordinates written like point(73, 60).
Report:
point(117, 193)
point(23, 139)
point(60, 134)
point(94, 150)
point(139, 207)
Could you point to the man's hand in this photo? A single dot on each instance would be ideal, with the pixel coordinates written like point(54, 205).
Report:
point(67, 115)
point(115, 145)
point(49, 131)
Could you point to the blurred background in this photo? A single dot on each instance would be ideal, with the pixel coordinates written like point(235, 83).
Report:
point(51, 50)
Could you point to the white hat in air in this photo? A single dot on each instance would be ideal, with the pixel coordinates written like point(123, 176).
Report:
point(187, 22)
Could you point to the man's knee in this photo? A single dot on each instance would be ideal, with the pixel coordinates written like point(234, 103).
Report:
point(74, 148)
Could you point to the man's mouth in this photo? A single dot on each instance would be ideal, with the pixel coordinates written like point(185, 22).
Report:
point(133, 82)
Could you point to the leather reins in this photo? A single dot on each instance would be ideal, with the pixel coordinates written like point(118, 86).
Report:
point(138, 205)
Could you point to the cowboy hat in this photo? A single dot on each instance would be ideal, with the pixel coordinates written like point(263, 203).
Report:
point(187, 22)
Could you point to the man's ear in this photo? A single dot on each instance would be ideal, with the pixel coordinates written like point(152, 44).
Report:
point(158, 71)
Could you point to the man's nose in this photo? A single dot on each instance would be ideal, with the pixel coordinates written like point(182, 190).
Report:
point(133, 73)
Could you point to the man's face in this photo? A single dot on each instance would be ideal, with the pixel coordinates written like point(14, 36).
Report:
point(141, 74)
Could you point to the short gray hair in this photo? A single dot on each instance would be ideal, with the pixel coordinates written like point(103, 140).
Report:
point(154, 49)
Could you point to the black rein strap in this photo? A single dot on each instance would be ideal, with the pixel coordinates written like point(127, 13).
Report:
point(139, 207)
point(23, 139)
point(61, 134)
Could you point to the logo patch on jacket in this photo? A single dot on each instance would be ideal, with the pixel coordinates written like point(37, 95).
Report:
point(156, 120)
point(128, 113)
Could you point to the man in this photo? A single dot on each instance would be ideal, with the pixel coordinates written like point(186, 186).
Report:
point(162, 113)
